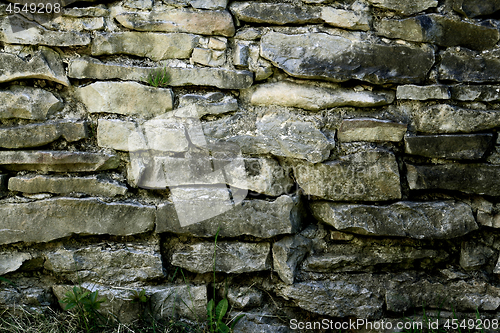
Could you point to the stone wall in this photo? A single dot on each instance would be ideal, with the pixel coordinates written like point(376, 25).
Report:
point(345, 153)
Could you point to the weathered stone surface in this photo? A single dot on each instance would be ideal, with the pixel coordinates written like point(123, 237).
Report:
point(275, 13)
point(127, 98)
point(468, 66)
point(405, 7)
point(155, 46)
point(259, 218)
point(473, 8)
point(117, 134)
point(91, 185)
point(208, 4)
point(89, 68)
point(36, 135)
point(208, 57)
point(260, 322)
point(367, 256)
point(44, 64)
point(310, 97)
point(261, 175)
point(288, 253)
point(473, 255)
point(459, 146)
point(46, 220)
point(28, 294)
point(12, 261)
point(355, 19)
point(59, 161)
point(469, 178)
point(180, 20)
point(339, 298)
point(231, 257)
point(482, 93)
point(422, 93)
point(28, 103)
point(244, 297)
point(108, 263)
point(443, 118)
point(185, 301)
point(440, 30)
point(15, 29)
point(459, 296)
point(366, 176)
point(366, 129)
point(422, 220)
point(346, 57)
point(89, 11)
point(206, 104)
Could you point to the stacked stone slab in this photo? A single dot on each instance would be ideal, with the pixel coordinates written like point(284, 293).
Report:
point(337, 160)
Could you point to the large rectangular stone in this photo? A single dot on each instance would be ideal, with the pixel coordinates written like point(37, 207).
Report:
point(204, 22)
point(231, 257)
point(422, 93)
point(422, 220)
point(90, 68)
point(127, 98)
point(459, 146)
point(469, 178)
point(46, 220)
point(480, 93)
point(35, 135)
point(443, 118)
point(346, 56)
point(464, 65)
point(59, 161)
point(91, 185)
point(155, 46)
point(404, 7)
point(368, 129)
point(365, 176)
point(256, 217)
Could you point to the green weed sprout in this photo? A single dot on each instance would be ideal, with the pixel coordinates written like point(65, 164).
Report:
point(86, 304)
point(158, 78)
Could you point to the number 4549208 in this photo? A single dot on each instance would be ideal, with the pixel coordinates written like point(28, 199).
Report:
point(473, 324)
point(33, 8)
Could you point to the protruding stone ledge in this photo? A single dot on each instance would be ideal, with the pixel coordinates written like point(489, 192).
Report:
point(469, 178)
point(443, 118)
point(36, 135)
point(44, 64)
point(231, 257)
point(464, 65)
point(421, 220)
point(310, 97)
point(255, 217)
point(28, 103)
point(364, 176)
point(459, 146)
point(373, 130)
point(422, 93)
point(473, 8)
point(346, 56)
point(46, 220)
point(90, 68)
point(65, 185)
point(440, 30)
point(61, 161)
point(203, 22)
point(18, 30)
point(127, 98)
point(159, 46)
point(12, 261)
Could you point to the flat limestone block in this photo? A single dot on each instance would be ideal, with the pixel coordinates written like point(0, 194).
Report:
point(468, 178)
point(46, 220)
point(54, 160)
point(449, 146)
point(28, 103)
point(374, 130)
point(365, 176)
point(346, 57)
point(421, 220)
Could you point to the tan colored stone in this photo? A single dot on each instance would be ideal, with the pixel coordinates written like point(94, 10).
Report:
point(28, 103)
point(367, 129)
